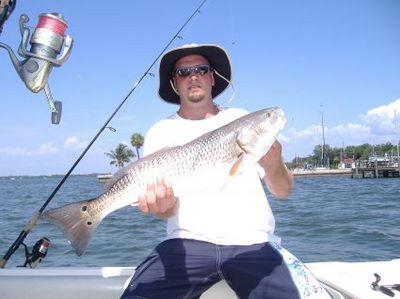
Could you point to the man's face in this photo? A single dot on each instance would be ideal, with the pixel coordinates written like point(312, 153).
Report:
point(194, 87)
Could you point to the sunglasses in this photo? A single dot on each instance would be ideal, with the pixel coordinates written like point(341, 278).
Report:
point(200, 69)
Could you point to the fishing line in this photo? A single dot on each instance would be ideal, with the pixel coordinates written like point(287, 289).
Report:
point(31, 223)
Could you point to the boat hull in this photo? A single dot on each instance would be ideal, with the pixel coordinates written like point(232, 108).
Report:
point(343, 280)
point(84, 283)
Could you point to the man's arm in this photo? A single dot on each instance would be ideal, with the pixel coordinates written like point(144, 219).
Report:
point(277, 177)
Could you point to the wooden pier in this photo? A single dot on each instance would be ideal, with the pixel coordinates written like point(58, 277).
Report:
point(375, 171)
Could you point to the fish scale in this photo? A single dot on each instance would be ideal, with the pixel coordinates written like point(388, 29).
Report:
point(224, 152)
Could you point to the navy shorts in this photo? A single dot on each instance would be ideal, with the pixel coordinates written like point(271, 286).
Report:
point(181, 268)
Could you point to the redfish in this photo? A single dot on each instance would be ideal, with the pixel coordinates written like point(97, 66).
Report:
point(224, 153)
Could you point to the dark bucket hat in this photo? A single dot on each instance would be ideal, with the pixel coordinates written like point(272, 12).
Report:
point(217, 57)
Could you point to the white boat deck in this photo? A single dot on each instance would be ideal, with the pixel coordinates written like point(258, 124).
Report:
point(354, 280)
point(343, 281)
point(78, 283)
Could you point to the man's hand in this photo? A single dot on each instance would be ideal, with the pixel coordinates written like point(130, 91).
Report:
point(159, 199)
point(277, 177)
point(273, 158)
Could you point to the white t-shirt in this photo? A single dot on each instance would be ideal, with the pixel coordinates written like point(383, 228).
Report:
point(238, 214)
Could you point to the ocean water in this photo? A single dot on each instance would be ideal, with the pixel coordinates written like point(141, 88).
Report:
point(327, 218)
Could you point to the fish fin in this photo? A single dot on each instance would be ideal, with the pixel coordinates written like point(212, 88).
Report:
point(237, 165)
point(243, 157)
point(242, 164)
point(236, 168)
point(77, 221)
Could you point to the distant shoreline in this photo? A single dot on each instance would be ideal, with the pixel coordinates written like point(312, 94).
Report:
point(297, 172)
point(314, 172)
point(48, 175)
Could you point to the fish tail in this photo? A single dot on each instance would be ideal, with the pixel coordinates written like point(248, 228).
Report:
point(78, 220)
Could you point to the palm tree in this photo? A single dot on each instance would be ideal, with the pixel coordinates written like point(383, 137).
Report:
point(137, 141)
point(121, 155)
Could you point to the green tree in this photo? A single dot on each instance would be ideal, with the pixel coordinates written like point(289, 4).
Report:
point(364, 151)
point(333, 154)
point(121, 155)
point(382, 149)
point(137, 141)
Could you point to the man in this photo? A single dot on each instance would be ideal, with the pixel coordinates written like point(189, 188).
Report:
point(219, 233)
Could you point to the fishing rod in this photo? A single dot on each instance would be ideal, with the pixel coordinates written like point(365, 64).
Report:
point(32, 222)
point(6, 9)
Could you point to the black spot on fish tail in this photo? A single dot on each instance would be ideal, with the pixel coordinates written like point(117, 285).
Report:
point(77, 221)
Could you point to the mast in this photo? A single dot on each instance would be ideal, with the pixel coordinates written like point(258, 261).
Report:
point(395, 132)
point(323, 141)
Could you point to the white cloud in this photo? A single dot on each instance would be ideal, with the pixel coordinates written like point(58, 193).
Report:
point(378, 125)
point(44, 149)
point(47, 148)
point(74, 143)
point(383, 119)
point(350, 134)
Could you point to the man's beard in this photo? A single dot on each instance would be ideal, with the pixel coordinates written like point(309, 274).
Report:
point(196, 96)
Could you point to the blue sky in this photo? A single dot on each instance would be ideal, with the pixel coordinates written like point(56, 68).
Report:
point(341, 58)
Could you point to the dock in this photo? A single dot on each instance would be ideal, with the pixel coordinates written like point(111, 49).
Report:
point(376, 170)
